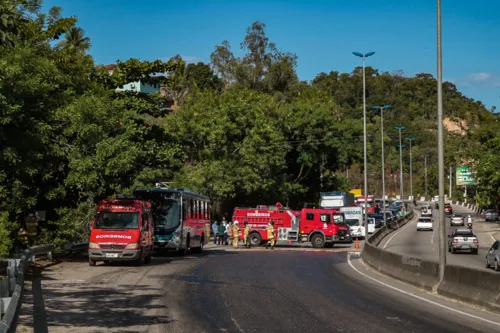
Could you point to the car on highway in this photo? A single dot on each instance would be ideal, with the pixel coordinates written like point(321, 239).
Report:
point(426, 207)
point(493, 256)
point(457, 219)
point(426, 212)
point(490, 215)
point(379, 220)
point(425, 223)
point(463, 240)
point(448, 209)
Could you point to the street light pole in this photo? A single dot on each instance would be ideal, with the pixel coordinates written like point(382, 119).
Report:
point(426, 194)
point(442, 226)
point(411, 172)
point(363, 57)
point(400, 128)
point(383, 158)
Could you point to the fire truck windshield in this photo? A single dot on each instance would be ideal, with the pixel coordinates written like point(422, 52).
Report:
point(117, 220)
point(338, 219)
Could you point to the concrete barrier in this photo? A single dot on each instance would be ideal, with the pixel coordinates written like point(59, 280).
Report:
point(421, 273)
point(472, 286)
point(465, 284)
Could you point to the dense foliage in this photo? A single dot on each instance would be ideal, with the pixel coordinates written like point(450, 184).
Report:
point(243, 131)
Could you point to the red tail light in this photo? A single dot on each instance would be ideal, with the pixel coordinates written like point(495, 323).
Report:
point(475, 241)
point(455, 240)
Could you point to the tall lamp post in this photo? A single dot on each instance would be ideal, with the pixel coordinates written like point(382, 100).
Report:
point(383, 157)
point(411, 173)
point(442, 226)
point(400, 128)
point(363, 57)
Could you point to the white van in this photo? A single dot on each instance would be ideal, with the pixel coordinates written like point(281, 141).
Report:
point(353, 217)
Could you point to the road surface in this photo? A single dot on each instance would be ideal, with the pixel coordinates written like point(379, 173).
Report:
point(425, 244)
point(242, 292)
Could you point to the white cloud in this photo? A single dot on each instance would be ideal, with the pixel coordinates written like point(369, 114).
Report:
point(191, 59)
point(479, 76)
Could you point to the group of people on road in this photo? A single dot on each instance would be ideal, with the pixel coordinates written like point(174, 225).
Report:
point(226, 233)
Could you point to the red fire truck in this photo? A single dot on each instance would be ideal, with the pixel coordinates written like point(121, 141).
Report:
point(368, 203)
point(321, 227)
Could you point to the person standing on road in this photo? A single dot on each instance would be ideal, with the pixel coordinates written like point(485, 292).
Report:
point(246, 231)
point(270, 235)
point(221, 229)
point(215, 228)
point(229, 233)
point(236, 234)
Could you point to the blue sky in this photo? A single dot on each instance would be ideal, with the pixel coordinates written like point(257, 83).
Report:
point(322, 33)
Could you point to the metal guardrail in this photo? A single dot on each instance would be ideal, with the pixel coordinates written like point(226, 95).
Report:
point(16, 274)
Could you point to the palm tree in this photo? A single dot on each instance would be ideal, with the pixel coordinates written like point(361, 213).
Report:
point(75, 37)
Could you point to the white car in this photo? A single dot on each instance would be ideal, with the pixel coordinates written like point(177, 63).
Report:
point(426, 213)
point(424, 223)
point(359, 230)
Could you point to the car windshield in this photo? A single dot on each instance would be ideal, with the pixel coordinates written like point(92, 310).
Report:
point(117, 220)
point(364, 204)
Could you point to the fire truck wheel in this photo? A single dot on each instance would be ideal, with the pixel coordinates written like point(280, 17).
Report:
point(255, 239)
point(318, 241)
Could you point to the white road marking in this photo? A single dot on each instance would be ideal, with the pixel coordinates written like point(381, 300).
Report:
point(397, 232)
point(419, 297)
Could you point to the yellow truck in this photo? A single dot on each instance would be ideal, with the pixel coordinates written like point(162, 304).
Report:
point(356, 192)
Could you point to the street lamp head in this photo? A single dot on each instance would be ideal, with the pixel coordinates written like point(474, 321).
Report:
point(386, 106)
point(400, 128)
point(410, 139)
point(369, 54)
point(357, 54)
point(377, 107)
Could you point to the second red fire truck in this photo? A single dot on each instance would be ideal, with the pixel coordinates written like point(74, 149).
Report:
point(321, 227)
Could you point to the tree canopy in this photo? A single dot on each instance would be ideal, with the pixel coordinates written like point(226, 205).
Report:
point(243, 130)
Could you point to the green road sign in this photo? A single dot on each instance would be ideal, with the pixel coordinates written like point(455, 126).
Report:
point(464, 177)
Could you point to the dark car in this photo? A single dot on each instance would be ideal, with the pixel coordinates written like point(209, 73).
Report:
point(448, 209)
point(379, 220)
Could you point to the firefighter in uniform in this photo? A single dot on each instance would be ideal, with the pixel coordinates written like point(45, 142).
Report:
point(270, 236)
point(31, 228)
point(236, 234)
point(246, 231)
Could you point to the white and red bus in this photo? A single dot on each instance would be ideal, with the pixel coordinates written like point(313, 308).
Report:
point(180, 218)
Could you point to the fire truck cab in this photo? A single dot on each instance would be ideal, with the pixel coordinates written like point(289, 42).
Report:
point(321, 227)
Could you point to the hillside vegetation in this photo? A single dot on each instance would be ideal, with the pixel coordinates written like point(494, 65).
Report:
point(244, 131)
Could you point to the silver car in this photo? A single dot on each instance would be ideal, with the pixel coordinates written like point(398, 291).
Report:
point(463, 240)
point(491, 215)
point(493, 256)
point(457, 219)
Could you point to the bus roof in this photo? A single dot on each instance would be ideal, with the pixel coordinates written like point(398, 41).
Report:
point(183, 191)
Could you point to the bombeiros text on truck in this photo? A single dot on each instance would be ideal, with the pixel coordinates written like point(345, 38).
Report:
point(321, 227)
point(122, 230)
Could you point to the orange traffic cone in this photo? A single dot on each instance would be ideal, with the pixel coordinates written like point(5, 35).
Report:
point(356, 245)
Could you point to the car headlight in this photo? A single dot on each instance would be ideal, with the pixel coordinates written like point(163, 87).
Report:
point(93, 246)
point(133, 246)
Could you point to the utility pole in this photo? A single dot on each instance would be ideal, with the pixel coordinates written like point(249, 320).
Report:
point(450, 184)
point(411, 172)
point(383, 156)
point(442, 225)
point(426, 194)
point(400, 128)
point(364, 56)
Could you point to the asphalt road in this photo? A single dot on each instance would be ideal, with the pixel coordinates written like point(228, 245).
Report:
point(425, 244)
point(242, 292)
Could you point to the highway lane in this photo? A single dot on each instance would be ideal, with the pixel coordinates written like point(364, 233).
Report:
point(242, 292)
point(425, 244)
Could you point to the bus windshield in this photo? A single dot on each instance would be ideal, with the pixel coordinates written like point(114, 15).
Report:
point(352, 222)
point(166, 211)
